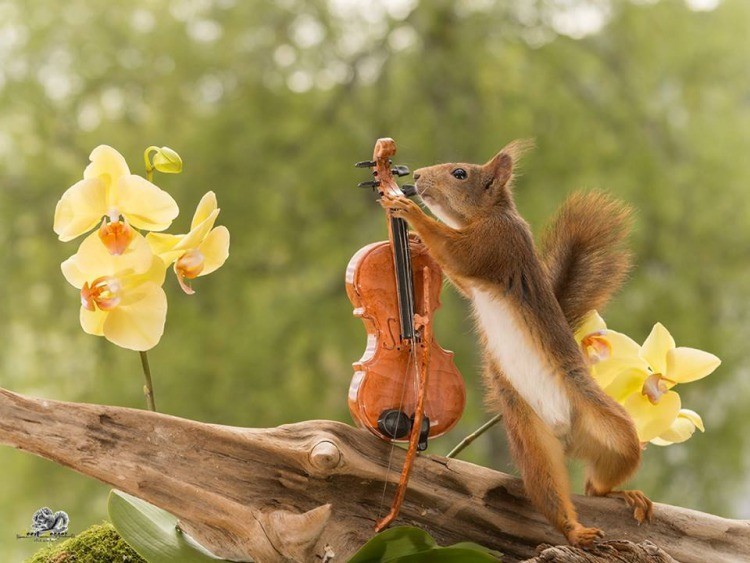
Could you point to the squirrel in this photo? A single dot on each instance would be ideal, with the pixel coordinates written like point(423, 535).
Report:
point(527, 304)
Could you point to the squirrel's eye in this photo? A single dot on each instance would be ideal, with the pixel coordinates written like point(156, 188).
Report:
point(460, 174)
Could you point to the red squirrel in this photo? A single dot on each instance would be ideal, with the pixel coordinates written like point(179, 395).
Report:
point(526, 305)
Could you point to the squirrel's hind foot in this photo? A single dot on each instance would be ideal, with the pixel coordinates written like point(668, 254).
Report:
point(643, 508)
point(580, 536)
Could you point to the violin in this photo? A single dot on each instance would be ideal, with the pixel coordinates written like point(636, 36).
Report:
point(394, 286)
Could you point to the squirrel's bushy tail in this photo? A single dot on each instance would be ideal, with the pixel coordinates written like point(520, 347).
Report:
point(583, 249)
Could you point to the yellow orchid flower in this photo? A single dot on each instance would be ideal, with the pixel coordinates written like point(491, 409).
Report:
point(608, 352)
point(641, 378)
point(656, 409)
point(121, 295)
point(198, 253)
point(681, 428)
point(672, 364)
point(109, 190)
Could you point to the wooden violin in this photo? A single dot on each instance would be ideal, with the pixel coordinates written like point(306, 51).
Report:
point(394, 287)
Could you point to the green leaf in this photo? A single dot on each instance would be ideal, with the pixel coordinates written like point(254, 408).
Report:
point(151, 531)
point(476, 547)
point(412, 545)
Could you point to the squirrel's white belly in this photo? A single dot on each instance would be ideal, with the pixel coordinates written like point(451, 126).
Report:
point(521, 361)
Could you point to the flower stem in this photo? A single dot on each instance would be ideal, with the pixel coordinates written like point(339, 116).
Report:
point(474, 435)
point(148, 388)
point(147, 162)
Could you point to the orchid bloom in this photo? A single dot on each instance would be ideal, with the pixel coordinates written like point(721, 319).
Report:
point(681, 428)
point(641, 378)
point(198, 253)
point(121, 295)
point(608, 352)
point(655, 407)
point(108, 190)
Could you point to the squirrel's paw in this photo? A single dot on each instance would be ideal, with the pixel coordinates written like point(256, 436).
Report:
point(643, 508)
point(580, 536)
point(399, 206)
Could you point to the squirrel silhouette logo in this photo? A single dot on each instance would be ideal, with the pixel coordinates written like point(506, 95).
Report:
point(44, 520)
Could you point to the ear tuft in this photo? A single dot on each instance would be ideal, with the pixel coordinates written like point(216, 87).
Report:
point(503, 163)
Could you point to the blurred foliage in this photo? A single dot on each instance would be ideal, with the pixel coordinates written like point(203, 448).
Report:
point(269, 104)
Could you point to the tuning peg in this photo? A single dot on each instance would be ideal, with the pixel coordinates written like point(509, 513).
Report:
point(369, 184)
point(400, 170)
point(409, 190)
point(366, 164)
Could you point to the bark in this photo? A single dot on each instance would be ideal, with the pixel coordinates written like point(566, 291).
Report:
point(302, 492)
point(617, 550)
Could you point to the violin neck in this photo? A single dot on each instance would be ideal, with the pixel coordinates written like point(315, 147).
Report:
point(404, 276)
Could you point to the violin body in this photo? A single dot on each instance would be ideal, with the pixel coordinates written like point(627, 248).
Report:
point(384, 375)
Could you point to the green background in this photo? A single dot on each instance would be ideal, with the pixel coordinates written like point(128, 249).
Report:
point(270, 104)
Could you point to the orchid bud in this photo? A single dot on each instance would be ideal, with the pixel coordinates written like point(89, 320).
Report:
point(167, 161)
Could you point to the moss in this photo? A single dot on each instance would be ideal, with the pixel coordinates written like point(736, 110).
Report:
point(98, 544)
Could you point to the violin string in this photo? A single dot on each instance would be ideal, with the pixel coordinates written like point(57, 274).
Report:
point(406, 294)
point(412, 308)
point(412, 311)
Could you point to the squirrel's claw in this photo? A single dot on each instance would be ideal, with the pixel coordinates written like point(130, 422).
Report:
point(643, 508)
point(398, 206)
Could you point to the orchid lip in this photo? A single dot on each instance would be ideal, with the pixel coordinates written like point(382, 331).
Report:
point(654, 388)
point(116, 236)
point(103, 293)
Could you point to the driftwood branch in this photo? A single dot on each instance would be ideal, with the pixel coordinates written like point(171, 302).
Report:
point(301, 491)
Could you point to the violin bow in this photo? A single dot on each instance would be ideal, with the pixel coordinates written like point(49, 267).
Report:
point(385, 148)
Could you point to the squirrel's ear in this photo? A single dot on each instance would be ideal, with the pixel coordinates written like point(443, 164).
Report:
point(502, 164)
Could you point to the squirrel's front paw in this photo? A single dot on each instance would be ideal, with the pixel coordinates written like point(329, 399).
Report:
point(399, 206)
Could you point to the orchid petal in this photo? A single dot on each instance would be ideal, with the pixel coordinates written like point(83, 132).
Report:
point(92, 322)
point(106, 162)
point(681, 429)
point(652, 420)
point(108, 166)
point(163, 245)
point(215, 250)
point(590, 324)
point(73, 274)
point(162, 242)
point(660, 442)
point(623, 346)
point(206, 207)
point(145, 205)
point(627, 382)
point(198, 232)
point(80, 208)
point(689, 364)
point(94, 260)
point(655, 348)
point(607, 371)
point(138, 323)
point(155, 274)
point(693, 417)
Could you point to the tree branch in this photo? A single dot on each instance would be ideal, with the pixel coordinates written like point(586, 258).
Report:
point(290, 493)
